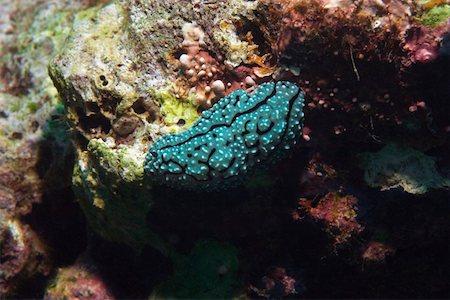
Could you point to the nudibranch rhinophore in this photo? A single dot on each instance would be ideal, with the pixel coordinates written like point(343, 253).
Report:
point(236, 135)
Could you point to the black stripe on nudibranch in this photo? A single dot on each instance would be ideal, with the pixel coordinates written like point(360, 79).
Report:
point(217, 151)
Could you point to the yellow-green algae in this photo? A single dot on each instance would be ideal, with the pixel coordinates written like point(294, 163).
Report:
point(436, 15)
point(126, 162)
point(100, 196)
point(115, 209)
point(174, 110)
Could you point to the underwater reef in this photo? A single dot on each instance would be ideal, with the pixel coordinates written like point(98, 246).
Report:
point(264, 149)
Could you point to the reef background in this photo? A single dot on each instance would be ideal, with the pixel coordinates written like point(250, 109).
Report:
point(358, 209)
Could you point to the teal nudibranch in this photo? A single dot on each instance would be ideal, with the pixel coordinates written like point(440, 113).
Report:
point(238, 134)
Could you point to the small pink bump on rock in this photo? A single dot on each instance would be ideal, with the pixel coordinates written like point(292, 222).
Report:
point(185, 60)
point(218, 87)
point(228, 65)
point(306, 130)
point(207, 89)
point(190, 72)
point(413, 108)
point(201, 98)
point(201, 60)
point(209, 74)
point(421, 104)
point(249, 81)
point(339, 129)
point(201, 73)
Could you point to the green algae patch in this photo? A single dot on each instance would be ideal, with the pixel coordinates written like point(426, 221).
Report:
point(108, 183)
point(395, 166)
point(127, 162)
point(176, 111)
point(116, 209)
point(436, 15)
point(208, 272)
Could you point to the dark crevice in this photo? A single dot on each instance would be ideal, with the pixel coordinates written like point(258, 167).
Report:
point(108, 103)
point(257, 35)
point(95, 124)
point(138, 106)
point(92, 107)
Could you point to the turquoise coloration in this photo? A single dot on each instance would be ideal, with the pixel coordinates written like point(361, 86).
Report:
point(239, 133)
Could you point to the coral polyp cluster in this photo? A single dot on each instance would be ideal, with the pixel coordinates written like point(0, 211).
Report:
point(200, 67)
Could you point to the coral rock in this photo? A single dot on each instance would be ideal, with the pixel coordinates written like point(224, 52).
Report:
point(395, 166)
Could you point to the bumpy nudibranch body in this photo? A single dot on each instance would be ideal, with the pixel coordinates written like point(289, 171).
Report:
point(239, 133)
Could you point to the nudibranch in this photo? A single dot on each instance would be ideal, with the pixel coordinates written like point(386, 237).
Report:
point(236, 135)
